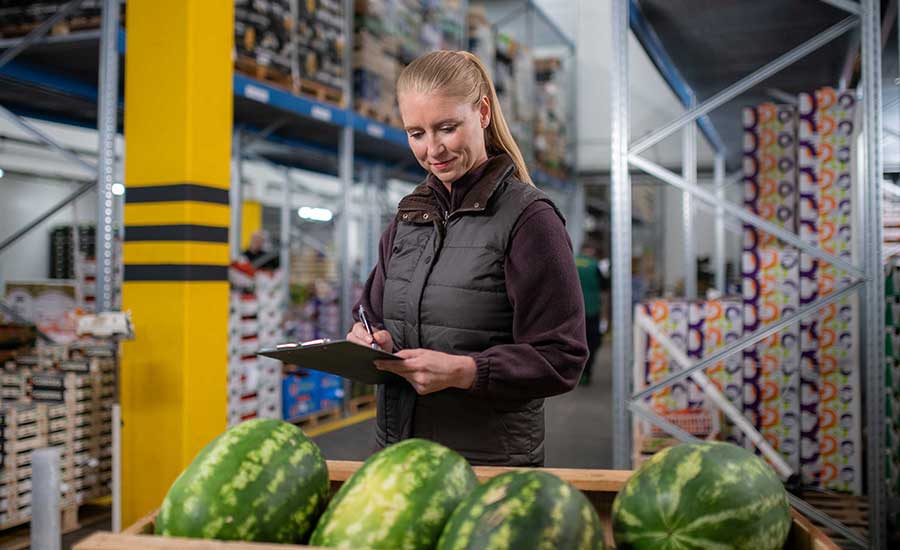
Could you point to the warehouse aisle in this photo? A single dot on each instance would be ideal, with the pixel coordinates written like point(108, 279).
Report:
point(579, 426)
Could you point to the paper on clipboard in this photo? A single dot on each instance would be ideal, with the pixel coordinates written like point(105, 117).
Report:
point(341, 357)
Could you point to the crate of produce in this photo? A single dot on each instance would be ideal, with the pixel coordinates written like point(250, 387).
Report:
point(600, 486)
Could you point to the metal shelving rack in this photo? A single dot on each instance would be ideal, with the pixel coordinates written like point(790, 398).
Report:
point(625, 152)
point(53, 79)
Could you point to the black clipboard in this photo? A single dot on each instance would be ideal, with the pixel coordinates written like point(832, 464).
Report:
point(340, 357)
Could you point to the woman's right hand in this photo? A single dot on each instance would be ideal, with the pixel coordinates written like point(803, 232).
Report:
point(359, 335)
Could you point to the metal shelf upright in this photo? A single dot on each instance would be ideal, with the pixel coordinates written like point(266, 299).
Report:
point(625, 152)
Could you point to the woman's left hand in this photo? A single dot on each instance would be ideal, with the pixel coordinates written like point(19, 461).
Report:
point(430, 371)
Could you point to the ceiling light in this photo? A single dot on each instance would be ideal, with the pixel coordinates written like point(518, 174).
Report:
point(315, 214)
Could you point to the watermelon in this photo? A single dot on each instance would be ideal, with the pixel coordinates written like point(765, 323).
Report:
point(262, 480)
point(523, 509)
point(399, 499)
point(702, 496)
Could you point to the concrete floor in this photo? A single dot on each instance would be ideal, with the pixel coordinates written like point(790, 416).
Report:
point(579, 426)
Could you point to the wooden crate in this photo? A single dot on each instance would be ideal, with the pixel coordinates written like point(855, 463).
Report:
point(80, 427)
point(600, 486)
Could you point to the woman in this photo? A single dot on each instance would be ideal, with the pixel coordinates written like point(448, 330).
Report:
point(476, 286)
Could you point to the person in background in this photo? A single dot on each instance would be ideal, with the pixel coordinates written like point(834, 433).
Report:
point(475, 286)
point(590, 277)
point(259, 254)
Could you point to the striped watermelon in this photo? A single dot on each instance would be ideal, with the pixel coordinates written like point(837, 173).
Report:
point(399, 499)
point(524, 510)
point(262, 480)
point(702, 496)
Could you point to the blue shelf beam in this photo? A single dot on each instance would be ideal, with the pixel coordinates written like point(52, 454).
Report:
point(651, 43)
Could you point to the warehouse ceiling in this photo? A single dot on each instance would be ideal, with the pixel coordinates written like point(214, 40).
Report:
point(713, 43)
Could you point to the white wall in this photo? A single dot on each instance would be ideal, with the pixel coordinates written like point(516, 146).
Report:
point(652, 103)
point(22, 198)
point(704, 231)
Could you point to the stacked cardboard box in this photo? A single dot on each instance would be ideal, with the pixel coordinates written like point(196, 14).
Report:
point(307, 392)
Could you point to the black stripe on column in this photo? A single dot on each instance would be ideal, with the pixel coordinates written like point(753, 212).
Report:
point(175, 272)
point(186, 232)
point(177, 192)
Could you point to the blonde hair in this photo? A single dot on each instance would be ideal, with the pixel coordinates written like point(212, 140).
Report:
point(463, 75)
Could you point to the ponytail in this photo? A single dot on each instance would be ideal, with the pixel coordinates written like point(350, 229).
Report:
point(462, 74)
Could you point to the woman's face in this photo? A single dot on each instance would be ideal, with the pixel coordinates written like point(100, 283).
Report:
point(445, 134)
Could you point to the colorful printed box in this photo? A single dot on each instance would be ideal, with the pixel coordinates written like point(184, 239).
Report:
point(672, 319)
point(809, 145)
point(839, 390)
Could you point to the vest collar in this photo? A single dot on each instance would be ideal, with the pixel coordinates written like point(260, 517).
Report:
point(421, 206)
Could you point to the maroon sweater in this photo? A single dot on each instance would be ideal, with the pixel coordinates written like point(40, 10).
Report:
point(542, 282)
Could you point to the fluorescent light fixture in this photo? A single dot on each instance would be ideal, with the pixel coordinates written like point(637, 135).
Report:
point(118, 189)
point(315, 214)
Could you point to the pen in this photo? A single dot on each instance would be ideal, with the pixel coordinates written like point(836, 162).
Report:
point(365, 322)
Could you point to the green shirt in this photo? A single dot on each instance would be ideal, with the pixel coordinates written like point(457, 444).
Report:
point(589, 274)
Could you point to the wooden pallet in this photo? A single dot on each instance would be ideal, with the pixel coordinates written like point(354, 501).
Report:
point(74, 24)
point(299, 86)
point(314, 419)
point(378, 113)
point(852, 511)
point(271, 75)
point(362, 403)
point(320, 92)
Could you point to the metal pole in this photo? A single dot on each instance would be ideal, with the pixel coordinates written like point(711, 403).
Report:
point(116, 468)
point(38, 32)
point(345, 173)
point(107, 112)
point(47, 140)
point(285, 249)
point(745, 84)
point(719, 247)
point(45, 492)
point(874, 295)
point(745, 215)
point(47, 214)
point(620, 191)
point(689, 173)
point(849, 6)
point(236, 194)
point(709, 390)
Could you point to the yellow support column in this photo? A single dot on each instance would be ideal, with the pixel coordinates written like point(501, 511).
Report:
point(178, 97)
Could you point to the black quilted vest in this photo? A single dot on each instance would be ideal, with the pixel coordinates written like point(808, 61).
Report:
point(445, 290)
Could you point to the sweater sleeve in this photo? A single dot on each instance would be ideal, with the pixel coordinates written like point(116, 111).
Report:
point(372, 298)
point(550, 348)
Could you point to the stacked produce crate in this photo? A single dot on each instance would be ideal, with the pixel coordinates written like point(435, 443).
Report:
point(255, 322)
point(892, 378)
point(514, 71)
point(390, 34)
point(295, 44)
point(80, 265)
point(63, 257)
point(61, 396)
point(19, 17)
point(551, 121)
